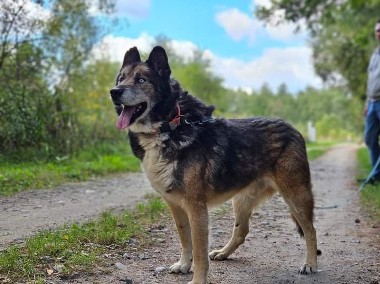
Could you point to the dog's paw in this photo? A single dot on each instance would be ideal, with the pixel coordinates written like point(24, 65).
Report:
point(217, 255)
point(307, 269)
point(180, 267)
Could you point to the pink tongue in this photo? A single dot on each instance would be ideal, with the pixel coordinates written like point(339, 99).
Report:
point(125, 117)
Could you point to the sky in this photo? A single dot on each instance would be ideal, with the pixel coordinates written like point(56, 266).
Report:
point(242, 50)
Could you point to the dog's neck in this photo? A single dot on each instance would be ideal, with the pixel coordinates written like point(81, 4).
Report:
point(171, 125)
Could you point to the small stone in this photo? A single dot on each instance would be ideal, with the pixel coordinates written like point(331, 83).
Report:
point(120, 266)
point(357, 221)
point(143, 256)
point(59, 268)
point(126, 256)
point(126, 280)
point(159, 269)
point(132, 241)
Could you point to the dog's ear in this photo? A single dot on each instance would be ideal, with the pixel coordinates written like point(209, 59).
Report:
point(158, 60)
point(131, 56)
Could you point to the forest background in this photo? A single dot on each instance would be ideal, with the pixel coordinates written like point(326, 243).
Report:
point(54, 96)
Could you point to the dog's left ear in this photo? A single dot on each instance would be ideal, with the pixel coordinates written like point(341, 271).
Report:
point(158, 60)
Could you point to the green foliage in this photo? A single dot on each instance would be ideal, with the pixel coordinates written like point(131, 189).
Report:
point(342, 36)
point(24, 115)
point(37, 71)
point(77, 247)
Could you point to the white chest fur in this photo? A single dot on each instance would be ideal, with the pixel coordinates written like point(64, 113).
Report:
point(158, 169)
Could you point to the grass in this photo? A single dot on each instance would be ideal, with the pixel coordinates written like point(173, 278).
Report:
point(95, 160)
point(317, 149)
point(79, 247)
point(370, 195)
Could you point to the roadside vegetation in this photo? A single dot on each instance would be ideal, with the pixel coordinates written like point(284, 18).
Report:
point(93, 160)
point(370, 195)
point(82, 247)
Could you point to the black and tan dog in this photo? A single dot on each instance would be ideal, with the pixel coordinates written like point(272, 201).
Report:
point(195, 161)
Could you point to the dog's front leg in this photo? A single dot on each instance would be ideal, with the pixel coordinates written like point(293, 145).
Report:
point(183, 228)
point(198, 218)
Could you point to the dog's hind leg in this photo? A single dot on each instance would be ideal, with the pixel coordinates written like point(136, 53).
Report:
point(184, 231)
point(301, 203)
point(243, 204)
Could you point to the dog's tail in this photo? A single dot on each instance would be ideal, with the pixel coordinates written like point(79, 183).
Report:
point(300, 231)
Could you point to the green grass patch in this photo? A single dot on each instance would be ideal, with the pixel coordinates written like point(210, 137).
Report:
point(370, 195)
point(317, 149)
point(94, 160)
point(79, 247)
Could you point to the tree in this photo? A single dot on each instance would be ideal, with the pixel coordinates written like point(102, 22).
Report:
point(42, 45)
point(341, 35)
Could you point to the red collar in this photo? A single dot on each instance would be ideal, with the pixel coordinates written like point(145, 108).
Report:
point(174, 123)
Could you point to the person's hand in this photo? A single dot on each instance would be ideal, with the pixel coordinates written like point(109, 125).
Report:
point(365, 111)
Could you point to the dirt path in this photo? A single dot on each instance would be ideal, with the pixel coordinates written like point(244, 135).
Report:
point(26, 213)
point(272, 252)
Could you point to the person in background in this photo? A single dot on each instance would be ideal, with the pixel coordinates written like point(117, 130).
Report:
point(372, 109)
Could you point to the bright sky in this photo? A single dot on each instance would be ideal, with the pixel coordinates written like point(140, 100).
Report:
point(242, 51)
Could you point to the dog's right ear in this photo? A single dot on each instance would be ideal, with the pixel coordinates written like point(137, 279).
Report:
point(131, 56)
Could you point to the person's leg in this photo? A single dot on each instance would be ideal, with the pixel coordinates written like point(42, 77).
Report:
point(371, 134)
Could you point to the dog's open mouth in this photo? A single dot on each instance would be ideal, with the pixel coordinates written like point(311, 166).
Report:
point(130, 114)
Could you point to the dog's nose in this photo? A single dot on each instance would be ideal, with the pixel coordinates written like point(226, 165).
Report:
point(116, 92)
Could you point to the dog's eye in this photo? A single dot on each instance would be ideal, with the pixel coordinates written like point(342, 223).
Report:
point(141, 80)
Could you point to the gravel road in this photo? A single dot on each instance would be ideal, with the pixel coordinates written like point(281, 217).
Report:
point(272, 253)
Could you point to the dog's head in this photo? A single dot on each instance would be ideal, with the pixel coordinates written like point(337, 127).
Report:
point(139, 87)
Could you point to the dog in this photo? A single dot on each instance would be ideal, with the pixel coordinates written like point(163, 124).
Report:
point(194, 160)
